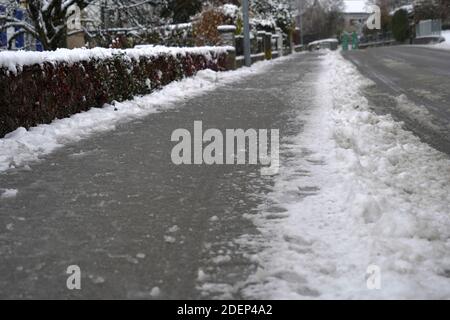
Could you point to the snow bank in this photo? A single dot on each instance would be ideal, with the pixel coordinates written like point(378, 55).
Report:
point(14, 61)
point(443, 45)
point(22, 146)
point(357, 190)
point(419, 113)
point(8, 193)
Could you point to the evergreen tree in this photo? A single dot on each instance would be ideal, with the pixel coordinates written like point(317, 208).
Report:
point(400, 25)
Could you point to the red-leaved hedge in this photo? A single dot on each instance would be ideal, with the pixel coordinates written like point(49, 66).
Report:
point(40, 93)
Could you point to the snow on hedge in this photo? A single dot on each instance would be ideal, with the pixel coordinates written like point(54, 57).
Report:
point(39, 87)
point(15, 60)
point(358, 190)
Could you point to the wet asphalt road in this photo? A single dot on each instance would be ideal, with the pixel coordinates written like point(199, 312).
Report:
point(116, 206)
point(422, 75)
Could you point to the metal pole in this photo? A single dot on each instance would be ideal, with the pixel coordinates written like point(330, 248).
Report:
point(301, 28)
point(300, 18)
point(247, 52)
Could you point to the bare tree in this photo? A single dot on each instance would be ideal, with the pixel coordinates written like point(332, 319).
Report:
point(131, 14)
point(45, 20)
point(437, 9)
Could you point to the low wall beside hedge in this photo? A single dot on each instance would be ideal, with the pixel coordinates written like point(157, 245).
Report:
point(37, 88)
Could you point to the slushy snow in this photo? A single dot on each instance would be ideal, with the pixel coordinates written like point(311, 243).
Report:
point(358, 191)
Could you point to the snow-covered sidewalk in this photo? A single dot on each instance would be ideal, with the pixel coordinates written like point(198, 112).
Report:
point(357, 191)
point(23, 146)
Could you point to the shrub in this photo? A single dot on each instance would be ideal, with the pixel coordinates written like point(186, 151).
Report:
point(205, 29)
point(41, 92)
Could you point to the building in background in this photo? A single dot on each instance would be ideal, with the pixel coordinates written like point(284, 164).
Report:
point(5, 35)
point(356, 14)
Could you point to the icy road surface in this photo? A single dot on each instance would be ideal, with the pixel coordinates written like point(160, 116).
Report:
point(413, 84)
point(355, 189)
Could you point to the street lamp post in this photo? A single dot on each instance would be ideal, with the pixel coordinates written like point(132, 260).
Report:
point(247, 52)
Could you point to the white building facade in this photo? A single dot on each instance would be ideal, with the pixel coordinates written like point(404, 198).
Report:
point(356, 13)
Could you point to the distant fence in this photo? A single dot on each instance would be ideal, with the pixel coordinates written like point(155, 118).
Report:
point(427, 28)
point(263, 45)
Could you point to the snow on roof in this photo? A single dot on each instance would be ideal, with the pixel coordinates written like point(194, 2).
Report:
point(355, 6)
point(230, 10)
